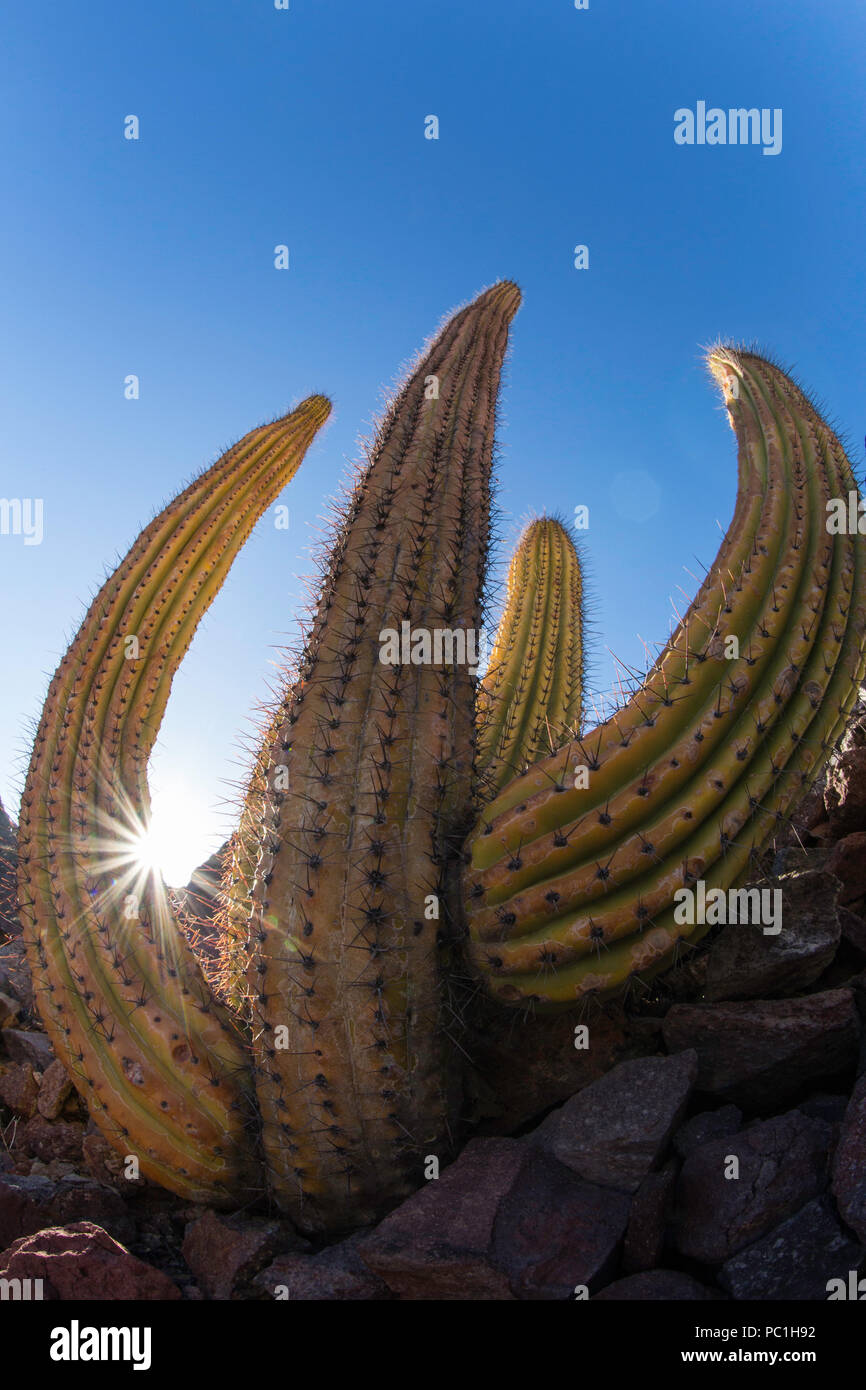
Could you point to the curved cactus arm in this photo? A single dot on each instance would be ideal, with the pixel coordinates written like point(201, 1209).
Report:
point(531, 695)
point(369, 776)
point(161, 1066)
point(571, 888)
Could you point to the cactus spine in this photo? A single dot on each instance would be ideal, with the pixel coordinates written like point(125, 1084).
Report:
point(531, 695)
point(161, 1065)
point(369, 777)
point(571, 890)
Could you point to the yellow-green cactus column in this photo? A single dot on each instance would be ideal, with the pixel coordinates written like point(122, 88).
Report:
point(574, 865)
point(161, 1066)
point(530, 698)
point(369, 777)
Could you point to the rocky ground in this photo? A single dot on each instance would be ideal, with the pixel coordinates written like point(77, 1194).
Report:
point(709, 1142)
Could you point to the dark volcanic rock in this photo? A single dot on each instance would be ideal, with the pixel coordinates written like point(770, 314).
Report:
point(521, 1066)
point(225, 1252)
point(48, 1140)
point(762, 1053)
point(746, 963)
point(554, 1232)
point(853, 930)
point(30, 1204)
point(709, 1124)
point(849, 1163)
point(848, 863)
point(845, 793)
point(55, 1089)
point(782, 1164)
point(648, 1221)
point(619, 1128)
point(795, 1260)
point(19, 1089)
point(437, 1243)
point(15, 972)
point(830, 1108)
point(28, 1046)
point(335, 1273)
point(81, 1261)
point(664, 1285)
point(107, 1166)
point(504, 1221)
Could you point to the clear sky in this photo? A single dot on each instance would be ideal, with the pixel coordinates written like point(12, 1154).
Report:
point(306, 127)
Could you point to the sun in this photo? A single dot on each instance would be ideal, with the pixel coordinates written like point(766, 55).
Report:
point(177, 838)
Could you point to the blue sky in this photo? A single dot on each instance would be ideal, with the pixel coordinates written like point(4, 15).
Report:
point(306, 127)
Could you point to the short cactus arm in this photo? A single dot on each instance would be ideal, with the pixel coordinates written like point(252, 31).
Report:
point(160, 1064)
point(571, 890)
point(530, 698)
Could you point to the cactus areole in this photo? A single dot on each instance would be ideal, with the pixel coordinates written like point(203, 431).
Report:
point(403, 823)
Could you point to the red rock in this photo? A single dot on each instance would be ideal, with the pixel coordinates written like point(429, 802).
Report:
point(744, 963)
point(106, 1165)
point(554, 1232)
point(782, 1165)
point(19, 1089)
point(225, 1251)
point(436, 1245)
point(664, 1285)
point(761, 1054)
point(845, 793)
point(24, 1045)
point(48, 1140)
point(848, 862)
point(30, 1203)
point(54, 1089)
point(504, 1221)
point(81, 1262)
point(617, 1129)
point(336, 1273)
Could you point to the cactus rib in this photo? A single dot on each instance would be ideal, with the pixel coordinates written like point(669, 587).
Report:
point(160, 1063)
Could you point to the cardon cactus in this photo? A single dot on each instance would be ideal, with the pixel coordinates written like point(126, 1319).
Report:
point(530, 698)
point(337, 1068)
point(575, 865)
point(160, 1063)
point(368, 776)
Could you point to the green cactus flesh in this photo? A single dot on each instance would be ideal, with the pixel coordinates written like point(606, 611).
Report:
point(531, 695)
point(570, 888)
point(162, 1066)
point(369, 780)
